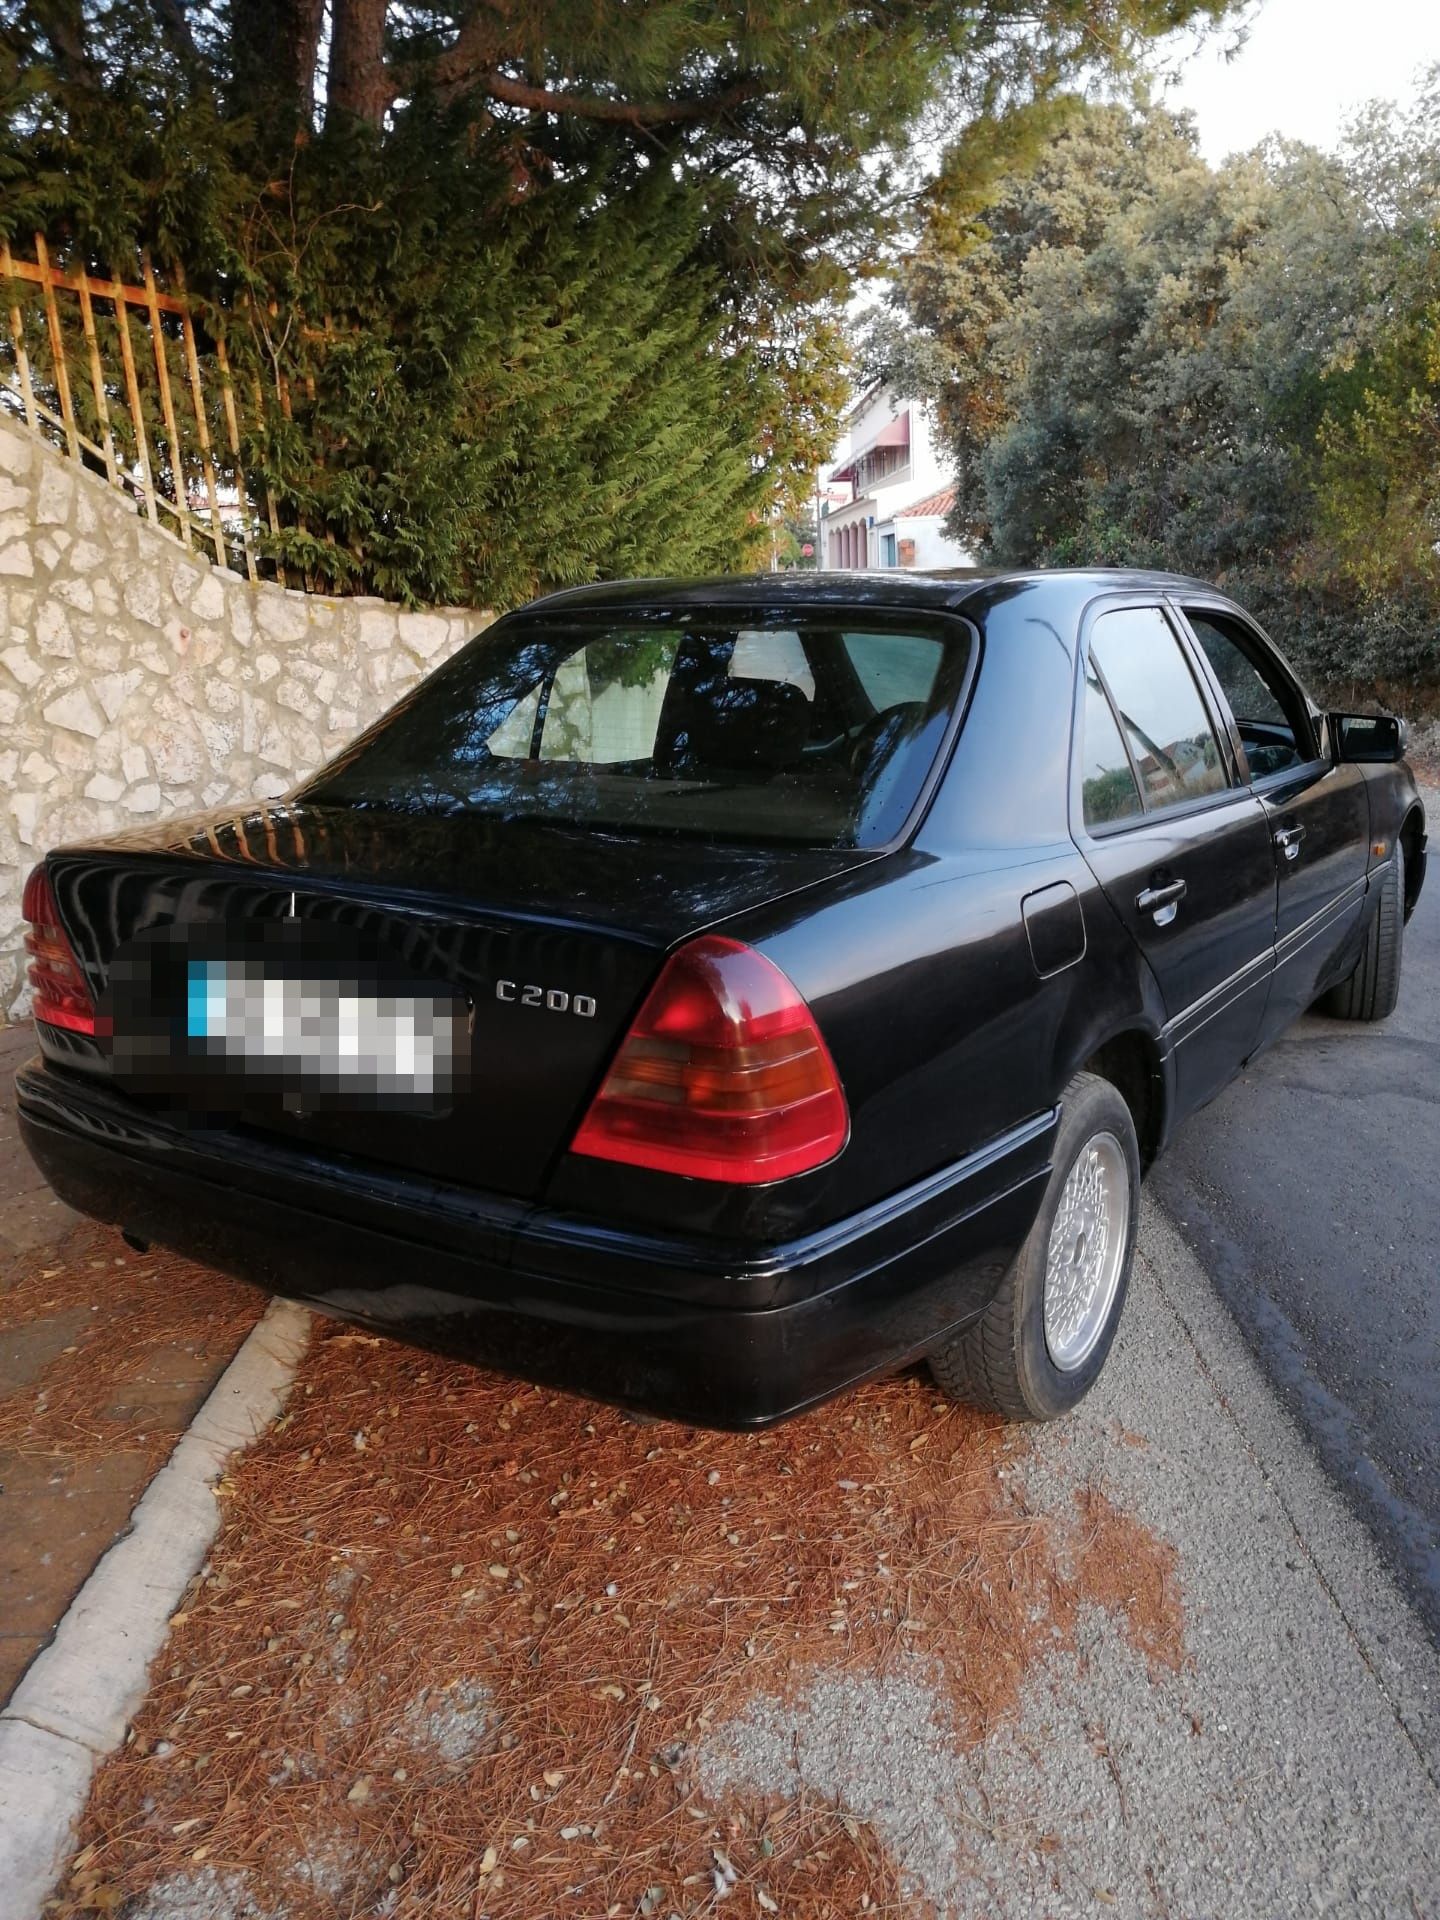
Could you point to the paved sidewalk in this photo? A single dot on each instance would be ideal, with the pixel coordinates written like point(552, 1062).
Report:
point(102, 1364)
point(1289, 1766)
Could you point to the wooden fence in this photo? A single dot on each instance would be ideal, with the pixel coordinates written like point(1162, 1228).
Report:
point(95, 365)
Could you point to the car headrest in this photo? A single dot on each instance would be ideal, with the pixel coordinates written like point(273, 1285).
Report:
point(736, 724)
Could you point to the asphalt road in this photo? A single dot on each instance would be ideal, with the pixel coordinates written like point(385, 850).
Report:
point(1310, 1192)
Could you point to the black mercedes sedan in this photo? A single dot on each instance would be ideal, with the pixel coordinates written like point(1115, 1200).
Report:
point(705, 996)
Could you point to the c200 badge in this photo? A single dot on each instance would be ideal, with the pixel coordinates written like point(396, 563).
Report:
point(552, 999)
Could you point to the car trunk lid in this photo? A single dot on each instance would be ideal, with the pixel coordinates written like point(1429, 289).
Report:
point(552, 937)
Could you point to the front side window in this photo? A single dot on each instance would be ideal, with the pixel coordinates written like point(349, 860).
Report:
point(1170, 738)
point(1274, 729)
point(814, 731)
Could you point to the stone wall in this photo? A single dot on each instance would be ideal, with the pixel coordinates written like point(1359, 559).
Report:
point(137, 681)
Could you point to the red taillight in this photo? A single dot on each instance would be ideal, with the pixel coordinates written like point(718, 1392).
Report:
point(723, 1075)
point(61, 994)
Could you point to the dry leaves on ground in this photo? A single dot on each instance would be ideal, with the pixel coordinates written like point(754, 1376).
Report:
point(129, 1312)
point(459, 1640)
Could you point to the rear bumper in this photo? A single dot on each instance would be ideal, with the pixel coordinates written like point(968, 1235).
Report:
point(710, 1334)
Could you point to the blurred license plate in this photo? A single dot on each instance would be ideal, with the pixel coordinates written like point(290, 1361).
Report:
point(325, 1033)
point(221, 1018)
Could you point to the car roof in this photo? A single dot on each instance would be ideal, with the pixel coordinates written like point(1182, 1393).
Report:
point(890, 588)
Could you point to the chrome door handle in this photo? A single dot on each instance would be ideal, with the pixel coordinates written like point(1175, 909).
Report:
point(1288, 840)
point(1156, 899)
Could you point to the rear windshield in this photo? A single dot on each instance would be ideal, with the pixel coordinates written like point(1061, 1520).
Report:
point(819, 731)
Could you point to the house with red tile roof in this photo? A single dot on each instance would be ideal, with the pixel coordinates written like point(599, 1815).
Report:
point(893, 490)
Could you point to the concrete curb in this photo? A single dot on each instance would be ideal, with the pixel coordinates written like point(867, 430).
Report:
point(79, 1695)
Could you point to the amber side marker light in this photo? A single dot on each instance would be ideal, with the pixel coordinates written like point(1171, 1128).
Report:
point(723, 1075)
point(61, 993)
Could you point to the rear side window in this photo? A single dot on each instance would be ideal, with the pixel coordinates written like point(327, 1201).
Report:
point(1158, 703)
point(810, 731)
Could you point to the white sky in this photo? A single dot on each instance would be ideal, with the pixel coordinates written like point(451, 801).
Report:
point(1305, 67)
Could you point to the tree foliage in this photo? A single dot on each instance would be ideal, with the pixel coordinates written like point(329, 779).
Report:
point(1379, 483)
point(528, 291)
point(1138, 359)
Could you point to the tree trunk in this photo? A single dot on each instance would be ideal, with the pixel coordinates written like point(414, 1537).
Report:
point(63, 24)
point(299, 47)
point(274, 46)
point(360, 82)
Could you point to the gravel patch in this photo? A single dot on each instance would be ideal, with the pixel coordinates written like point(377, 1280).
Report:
point(1271, 1774)
point(329, 1865)
point(451, 1724)
point(201, 1894)
point(883, 1750)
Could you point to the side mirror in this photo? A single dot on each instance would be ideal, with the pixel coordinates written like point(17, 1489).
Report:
point(1368, 738)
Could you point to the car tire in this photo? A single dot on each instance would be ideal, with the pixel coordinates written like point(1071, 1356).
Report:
point(1371, 991)
point(1017, 1359)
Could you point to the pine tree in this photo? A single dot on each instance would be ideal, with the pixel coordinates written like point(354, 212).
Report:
point(530, 292)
